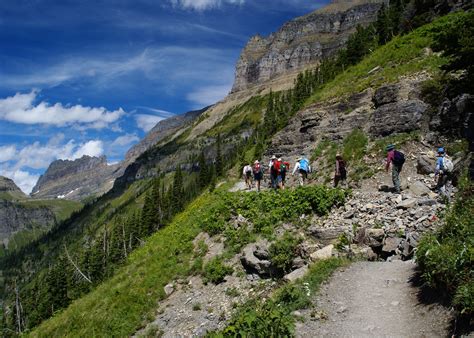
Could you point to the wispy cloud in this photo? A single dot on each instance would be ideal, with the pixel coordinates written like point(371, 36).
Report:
point(200, 5)
point(205, 96)
point(147, 122)
point(21, 108)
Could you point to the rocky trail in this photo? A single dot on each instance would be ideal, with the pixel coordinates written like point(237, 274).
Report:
point(373, 299)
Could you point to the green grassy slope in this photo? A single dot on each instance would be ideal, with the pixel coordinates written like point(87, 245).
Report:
point(402, 56)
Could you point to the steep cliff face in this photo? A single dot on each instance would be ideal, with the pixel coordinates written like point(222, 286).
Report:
point(76, 179)
point(302, 42)
point(15, 217)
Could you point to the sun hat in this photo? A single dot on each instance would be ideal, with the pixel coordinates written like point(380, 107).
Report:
point(274, 157)
point(441, 150)
point(256, 162)
point(279, 159)
point(390, 147)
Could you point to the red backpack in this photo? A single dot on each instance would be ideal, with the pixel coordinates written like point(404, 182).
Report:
point(257, 168)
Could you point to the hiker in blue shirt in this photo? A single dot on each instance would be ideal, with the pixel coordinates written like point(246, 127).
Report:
point(443, 174)
point(302, 166)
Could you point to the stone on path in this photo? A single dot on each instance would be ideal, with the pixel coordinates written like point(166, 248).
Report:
point(296, 274)
point(323, 253)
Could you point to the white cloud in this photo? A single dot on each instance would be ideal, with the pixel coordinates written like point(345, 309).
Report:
point(200, 5)
point(125, 140)
point(23, 179)
point(7, 153)
point(205, 96)
point(21, 108)
point(147, 122)
point(91, 148)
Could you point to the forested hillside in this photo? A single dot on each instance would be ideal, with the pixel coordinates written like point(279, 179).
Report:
point(104, 270)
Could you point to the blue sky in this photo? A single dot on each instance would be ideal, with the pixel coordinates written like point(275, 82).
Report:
point(91, 77)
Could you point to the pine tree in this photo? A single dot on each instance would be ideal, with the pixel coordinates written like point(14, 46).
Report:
point(203, 171)
point(177, 202)
point(219, 159)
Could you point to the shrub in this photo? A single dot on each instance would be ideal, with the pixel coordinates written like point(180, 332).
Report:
point(283, 251)
point(215, 271)
point(446, 257)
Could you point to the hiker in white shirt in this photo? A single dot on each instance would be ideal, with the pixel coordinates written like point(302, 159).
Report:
point(247, 173)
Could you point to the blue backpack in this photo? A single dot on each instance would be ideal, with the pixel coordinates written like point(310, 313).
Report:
point(304, 164)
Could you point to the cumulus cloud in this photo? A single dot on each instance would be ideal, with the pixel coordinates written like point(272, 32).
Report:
point(18, 163)
point(200, 5)
point(7, 153)
point(205, 96)
point(147, 122)
point(23, 179)
point(21, 108)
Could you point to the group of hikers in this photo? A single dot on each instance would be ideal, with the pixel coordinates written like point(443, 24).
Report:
point(278, 169)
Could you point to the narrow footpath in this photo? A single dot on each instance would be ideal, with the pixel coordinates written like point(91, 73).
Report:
point(373, 299)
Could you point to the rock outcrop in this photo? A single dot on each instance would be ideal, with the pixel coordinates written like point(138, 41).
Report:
point(15, 217)
point(76, 179)
point(301, 42)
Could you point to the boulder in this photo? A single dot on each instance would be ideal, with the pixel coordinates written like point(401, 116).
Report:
point(327, 234)
point(427, 201)
point(296, 274)
point(418, 188)
point(407, 204)
point(425, 165)
point(254, 258)
point(297, 263)
point(169, 289)
point(398, 117)
point(390, 244)
point(323, 253)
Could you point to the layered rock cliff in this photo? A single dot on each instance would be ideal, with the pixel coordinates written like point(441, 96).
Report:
point(302, 42)
point(76, 179)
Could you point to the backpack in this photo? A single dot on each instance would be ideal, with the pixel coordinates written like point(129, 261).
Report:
point(248, 170)
point(304, 164)
point(342, 168)
point(257, 168)
point(398, 158)
point(283, 168)
point(448, 165)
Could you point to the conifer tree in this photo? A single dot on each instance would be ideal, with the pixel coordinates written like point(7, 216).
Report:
point(219, 159)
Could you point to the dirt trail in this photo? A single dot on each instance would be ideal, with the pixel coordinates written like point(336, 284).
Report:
point(373, 300)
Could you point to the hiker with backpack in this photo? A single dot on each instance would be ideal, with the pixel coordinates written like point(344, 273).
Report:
point(340, 174)
point(303, 168)
point(247, 173)
point(397, 159)
point(284, 167)
point(444, 174)
point(273, 172)
point(257, 174)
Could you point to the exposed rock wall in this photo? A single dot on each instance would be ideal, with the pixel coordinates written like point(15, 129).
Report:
point(301, 42)
point(15, 217)
point(76, 179)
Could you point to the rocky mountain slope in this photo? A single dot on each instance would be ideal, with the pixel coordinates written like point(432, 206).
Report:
point(265, 252)
point(9, 190)
point(302, 42)
point(76, 179)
